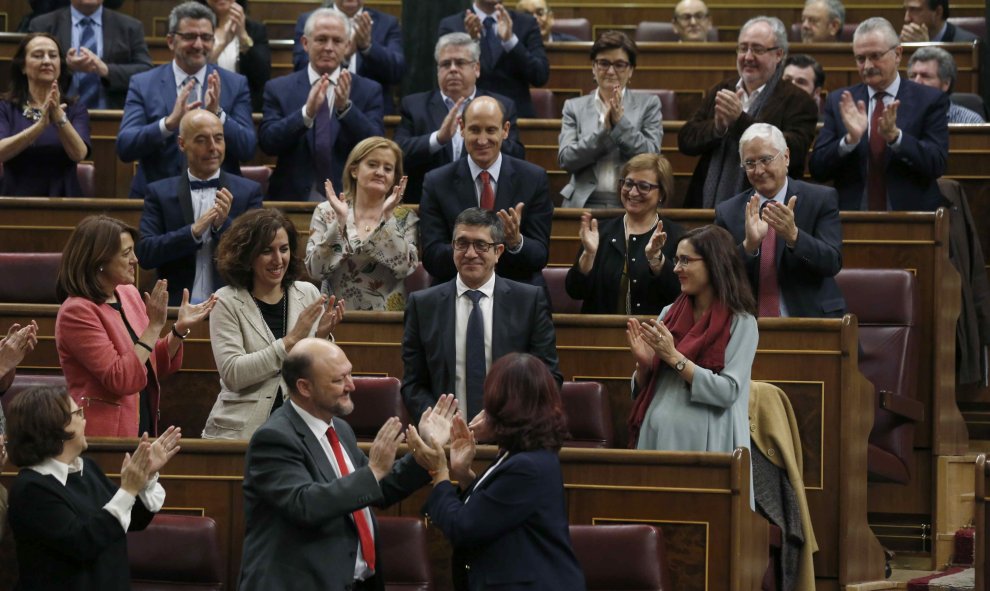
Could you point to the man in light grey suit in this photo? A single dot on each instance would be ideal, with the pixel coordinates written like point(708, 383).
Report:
point(600, 131)
point(307, 485)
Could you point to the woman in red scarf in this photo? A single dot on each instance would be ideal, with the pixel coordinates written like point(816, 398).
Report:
point(693, 363)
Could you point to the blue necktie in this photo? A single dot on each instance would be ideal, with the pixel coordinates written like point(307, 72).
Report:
point(491, 49)
point(195, 92)
point(474, 355)
point(210, 184)
point(322, 147)
point(88, 83)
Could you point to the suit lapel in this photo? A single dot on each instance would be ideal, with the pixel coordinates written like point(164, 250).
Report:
point(501, 318)
point(63, 30)
point(251, 313)
point(184, 195)
point(437, 111)
point(313, 446)
point(447, 311)
point(464, 187)
point(506, 191)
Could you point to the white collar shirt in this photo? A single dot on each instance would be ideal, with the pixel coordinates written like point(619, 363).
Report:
point(202, 201)
point(463, 306)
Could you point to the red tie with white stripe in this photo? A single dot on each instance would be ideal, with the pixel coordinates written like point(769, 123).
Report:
point(360, 518)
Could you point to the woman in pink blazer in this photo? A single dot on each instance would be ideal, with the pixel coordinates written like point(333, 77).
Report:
point(108, 336)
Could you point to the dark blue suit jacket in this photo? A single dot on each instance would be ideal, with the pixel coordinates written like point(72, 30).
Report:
point(513, 532)
point(911, 171)
point(385, 62)
point(284, 134)
point(526, 65)
point(806, 274)
point(166, 238)
point(150, 97)
point(449, 190)
point(422, 114)
point(521, 323)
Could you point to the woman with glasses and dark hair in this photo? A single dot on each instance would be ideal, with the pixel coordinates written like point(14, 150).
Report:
point(600, 131)
point(69, 521)
point(693, 363)
point(42, 134)
point(508, 526)
point(261, 314)
point(627, 266)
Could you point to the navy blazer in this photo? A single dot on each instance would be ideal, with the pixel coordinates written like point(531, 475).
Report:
point(422, 114)
point(526, 65)
point(284, 134)
point(150, 97)
point(167, 242)
point(806, 274)
point(512, 533)
point(385, 62)
point(125, 51)
point(911, 171)
point(299, 533)
point(521, 323)
point(450, 189)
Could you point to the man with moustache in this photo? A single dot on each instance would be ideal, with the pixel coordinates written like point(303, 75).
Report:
point(822, 20)
point(185, 216)
point(692, 21)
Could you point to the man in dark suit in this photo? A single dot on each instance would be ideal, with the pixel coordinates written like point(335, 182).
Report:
point(927, 20)
point(512, 53)
point(428, 133)
point(517, 190)
point(885, 142)
point(376, 50)
point(788, 232)
point(185, 216)
point(313, 118)
point(157, 100)
point(103, 50)
point(308, 487)
point(455, 331)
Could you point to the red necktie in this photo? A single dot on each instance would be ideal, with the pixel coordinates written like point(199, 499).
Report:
point(769, 298)
point(877, 188)
point(360, 518)
point(487, 193)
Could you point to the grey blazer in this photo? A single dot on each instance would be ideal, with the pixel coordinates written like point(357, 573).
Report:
point(583, 143)
point(249, 360)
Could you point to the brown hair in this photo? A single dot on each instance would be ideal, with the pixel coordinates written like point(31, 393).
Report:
point(522, 401)
point(725, 268)
point(36, 422)
point(659, 165)
point(251, 233)
point(94, 242)
point(614, 40)
point(17, 92)
point(360, 152)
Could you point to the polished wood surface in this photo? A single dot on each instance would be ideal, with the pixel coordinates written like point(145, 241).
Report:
point(981, 518)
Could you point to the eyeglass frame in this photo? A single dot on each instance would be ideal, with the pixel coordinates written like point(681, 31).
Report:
point(687, 17)
point(81, 411)
point(192, 37)
point(875, 57)
point(619, 66)
point(459, 63)
point(684, 260)
point(476, 244)
point(757, 50)
point(750, 165)
point(631, 183)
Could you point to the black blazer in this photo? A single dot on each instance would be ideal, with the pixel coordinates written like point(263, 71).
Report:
point(806, 274)
point(521, 323)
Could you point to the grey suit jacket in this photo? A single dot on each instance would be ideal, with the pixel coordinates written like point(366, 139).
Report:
point(583, 142)
point(249, 361)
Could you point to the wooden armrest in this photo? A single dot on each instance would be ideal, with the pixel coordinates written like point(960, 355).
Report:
point(908, 408)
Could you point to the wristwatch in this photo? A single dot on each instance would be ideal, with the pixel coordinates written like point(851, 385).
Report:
point(680, 365)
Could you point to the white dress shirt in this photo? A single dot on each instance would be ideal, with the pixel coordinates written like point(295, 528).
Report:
point(462, 307)
point(202, 201)
point(314, 76)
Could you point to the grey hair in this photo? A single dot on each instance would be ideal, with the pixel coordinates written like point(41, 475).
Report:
point(946, 65)
point(457, 40)
point(191, 10)
point(775, 24)
point(835, 10)
point(878, 24)
point(326, 12)
point(475, 216)
point(765, 131)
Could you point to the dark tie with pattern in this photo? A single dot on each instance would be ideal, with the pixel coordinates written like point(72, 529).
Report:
point(474, 355)
point(491, 49)
point(194, 93)
point(88, 83)
point(322, 147)
point(877, 188)
point(769, 297)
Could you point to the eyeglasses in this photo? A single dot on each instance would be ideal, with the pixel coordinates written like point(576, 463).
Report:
point(690, 16)
point(684, 260)
point(873, 57)
point(642, 186)
point(190, 37)
point(480, 246)
point(757, 50)
point(765, 161)
point(80, 412)
point(459, 64)
point(604, 65)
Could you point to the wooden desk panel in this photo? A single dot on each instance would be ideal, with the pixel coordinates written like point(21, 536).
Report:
point(981, 558)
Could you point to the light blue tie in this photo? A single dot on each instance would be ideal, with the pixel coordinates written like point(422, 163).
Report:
point(88, 83)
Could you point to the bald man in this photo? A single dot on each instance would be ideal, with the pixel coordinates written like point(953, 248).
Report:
point(692, 21)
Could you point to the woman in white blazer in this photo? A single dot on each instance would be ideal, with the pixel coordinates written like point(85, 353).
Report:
point(263, 313)
point(602, 130)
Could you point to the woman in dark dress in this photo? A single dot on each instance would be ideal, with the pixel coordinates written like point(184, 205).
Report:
point(241, 45)
point(42, 135)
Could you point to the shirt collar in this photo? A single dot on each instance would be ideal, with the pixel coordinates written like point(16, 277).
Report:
point(192, 177)
point(781, 194)
point(181, 75)
point(488, 288)
point(941, 32)
point(892, 90)
point(493, 170)
point(60, 470)
point(470, 97)
point(742, 87)
point(314, 75)
point(317, 426)
point(481, 13)
point(77, 16)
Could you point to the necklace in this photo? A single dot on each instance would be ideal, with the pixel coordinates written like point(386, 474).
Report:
point(32, 113)
point(285, 313)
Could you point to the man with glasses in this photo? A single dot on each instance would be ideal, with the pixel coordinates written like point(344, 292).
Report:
point(822, 20)
point(885, 141)
point(788, 232)
point(757, 95)
point(157, 100)
point(429, 133)
point(692, 22)
point(456, 330)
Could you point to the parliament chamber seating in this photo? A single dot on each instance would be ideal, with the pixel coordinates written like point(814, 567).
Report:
point(630, 557)
point(668, 101)
point(885, 302)
point(420, 279)
point(29, 277)
point(543, 103)
point(663, 31)
point(976, 25)
point(176, 552)
point(560, 301)
point(259, 174)
point(375, 401)
point(579, 27)
point(403, 546)
point(25, 381)
point(971, 101)
point(86, 173)
point(845, 35)
point(589, 415)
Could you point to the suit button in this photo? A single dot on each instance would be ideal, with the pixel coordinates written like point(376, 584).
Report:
point(634, 260)
point(634, 281)
point(613, 240)
point(771, 452)
point(752, 427)
point(634, 239)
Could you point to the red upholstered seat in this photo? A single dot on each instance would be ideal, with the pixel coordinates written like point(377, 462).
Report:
point(375, 401)
point(176, 552)
point(579, 27)
point(663, 31)
point(589, 415)
point(420, 279)
point(628, 557)
point(668, 101)
point(29, 277)
point(86, 173)
point(976, 25)
point(886, 303)
point(403, 547)
point(560, 302)
point(845, 35)
point(258, 174)
point(543, 103)
point(26, 381)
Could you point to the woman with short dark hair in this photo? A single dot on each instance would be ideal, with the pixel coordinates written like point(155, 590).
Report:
point(69, 520)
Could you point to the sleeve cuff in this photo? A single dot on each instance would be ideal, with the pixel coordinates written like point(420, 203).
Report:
point(522, 240)
point(120, 507)
point(164, 130)
point(435, 143)
point(511, 43)
point(307, 120)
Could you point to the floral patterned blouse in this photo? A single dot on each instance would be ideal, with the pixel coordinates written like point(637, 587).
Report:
point(369, 274)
